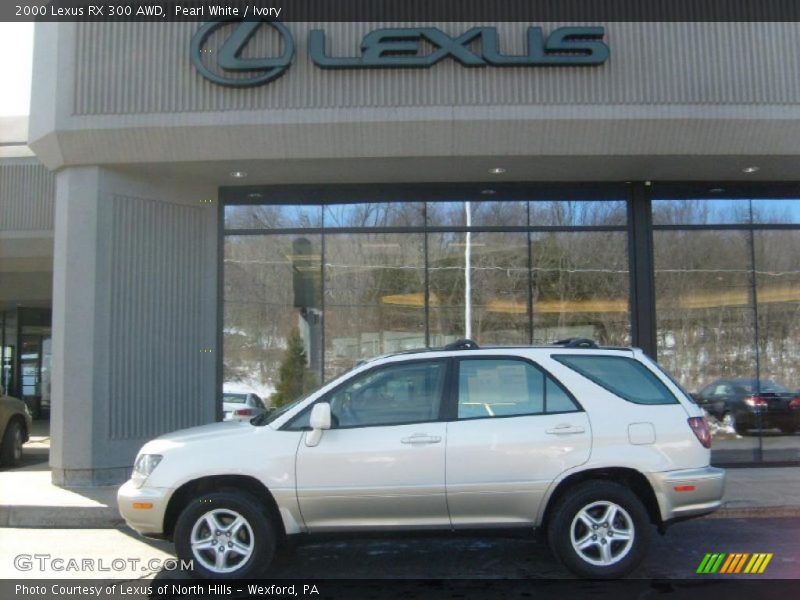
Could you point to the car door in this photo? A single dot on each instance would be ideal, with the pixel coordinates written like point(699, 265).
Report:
point(381, 465)
point(513, 431)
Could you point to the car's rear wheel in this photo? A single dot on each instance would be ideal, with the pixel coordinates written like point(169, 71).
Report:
point(226, 534)
point(740, 428)
point(600, 529)
point(13, 438)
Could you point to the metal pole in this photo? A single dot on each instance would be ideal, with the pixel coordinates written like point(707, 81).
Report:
point(754, 296)
point(468, 276)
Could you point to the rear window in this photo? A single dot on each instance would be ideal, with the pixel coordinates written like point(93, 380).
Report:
point(625, 377)
point(234, 398)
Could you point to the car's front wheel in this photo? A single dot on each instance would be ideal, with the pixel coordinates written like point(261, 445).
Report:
point(11, 447)
point(600, 529)
point(226, 534)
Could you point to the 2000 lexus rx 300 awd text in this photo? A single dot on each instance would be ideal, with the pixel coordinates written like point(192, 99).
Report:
point(597, 446)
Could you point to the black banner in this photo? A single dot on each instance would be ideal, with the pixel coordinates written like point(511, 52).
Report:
point(402, 10)
point(399, 589)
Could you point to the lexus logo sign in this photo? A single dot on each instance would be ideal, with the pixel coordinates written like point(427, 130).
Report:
point(392, 48)
point(229, 58)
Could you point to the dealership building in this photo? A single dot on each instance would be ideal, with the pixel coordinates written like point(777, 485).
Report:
point(200, 192)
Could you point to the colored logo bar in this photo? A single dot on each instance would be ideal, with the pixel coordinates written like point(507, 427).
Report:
point(737, 562)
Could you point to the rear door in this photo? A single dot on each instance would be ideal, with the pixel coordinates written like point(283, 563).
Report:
point(514, 429)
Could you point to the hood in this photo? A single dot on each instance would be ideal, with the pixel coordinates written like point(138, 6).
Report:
point(203, 433)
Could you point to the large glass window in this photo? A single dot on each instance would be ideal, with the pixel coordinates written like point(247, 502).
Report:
point(374, 214)
point(478, 287)
point(273, 216)
point(273, 300)
point(313, 287)
point(374, 296)
point(728, 313)
point(478, 214)
point(580, 287)
point(777, 278)
point(579, 213)
point(703, 305)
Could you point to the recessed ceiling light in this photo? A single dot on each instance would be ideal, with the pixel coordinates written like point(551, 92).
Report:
point(749, 170)
point(488, 192)
point(238, 174)
point(497, 170)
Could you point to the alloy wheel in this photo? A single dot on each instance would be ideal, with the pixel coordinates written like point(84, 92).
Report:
point(602, 533)
point(222, 540)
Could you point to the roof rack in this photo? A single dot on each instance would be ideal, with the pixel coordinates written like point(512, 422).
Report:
point(576, 342)
point(464, 344)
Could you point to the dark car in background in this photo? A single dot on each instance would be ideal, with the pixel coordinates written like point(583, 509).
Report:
point(746, 404)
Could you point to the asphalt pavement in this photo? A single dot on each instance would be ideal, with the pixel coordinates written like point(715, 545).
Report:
point(673, 556)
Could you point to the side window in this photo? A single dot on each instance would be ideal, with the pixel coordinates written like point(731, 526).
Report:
point(627, 378)
point(557, 398)
point(722, 390)
point(406, 393)
point(505, 387)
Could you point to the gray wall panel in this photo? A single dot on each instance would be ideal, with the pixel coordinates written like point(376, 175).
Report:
point(142, 68)
point(156, 317)
point(27, 193)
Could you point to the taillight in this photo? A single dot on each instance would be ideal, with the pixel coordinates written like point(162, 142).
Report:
point(243, 412)
point(795, 403)
point(700, 428)
point(755, 402)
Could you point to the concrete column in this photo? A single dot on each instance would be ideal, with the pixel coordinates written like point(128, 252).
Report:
point(74, 323)
point(134, 318)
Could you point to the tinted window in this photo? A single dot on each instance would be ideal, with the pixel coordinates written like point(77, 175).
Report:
point(234, 398)
point(625, 377)
point(504, 387)
point(405, 393)
point(557, 398)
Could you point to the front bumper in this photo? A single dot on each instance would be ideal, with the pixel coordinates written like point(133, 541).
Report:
point(688, 492)
point(143, 508)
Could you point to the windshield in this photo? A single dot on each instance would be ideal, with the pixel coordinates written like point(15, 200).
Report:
point(234, 398)
point(273, 412)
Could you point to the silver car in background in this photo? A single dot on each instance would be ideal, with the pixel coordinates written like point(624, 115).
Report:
point(241, 406)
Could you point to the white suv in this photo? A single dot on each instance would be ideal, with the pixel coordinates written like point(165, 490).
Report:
point(594, 445)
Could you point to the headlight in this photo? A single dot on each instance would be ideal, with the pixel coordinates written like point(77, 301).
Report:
point(144, 465)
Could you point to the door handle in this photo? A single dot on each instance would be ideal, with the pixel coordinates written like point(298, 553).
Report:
point(565, 429)
point(421, 438)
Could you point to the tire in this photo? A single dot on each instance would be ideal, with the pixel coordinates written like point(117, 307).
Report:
point(740, 429)
point(11, 448)
point(580, 516)
point(252, 533)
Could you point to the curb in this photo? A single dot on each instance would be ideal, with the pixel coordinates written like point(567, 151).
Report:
point(60, 517)
point(755, 512)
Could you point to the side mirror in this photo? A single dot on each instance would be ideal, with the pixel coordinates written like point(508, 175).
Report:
point(320, 421)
